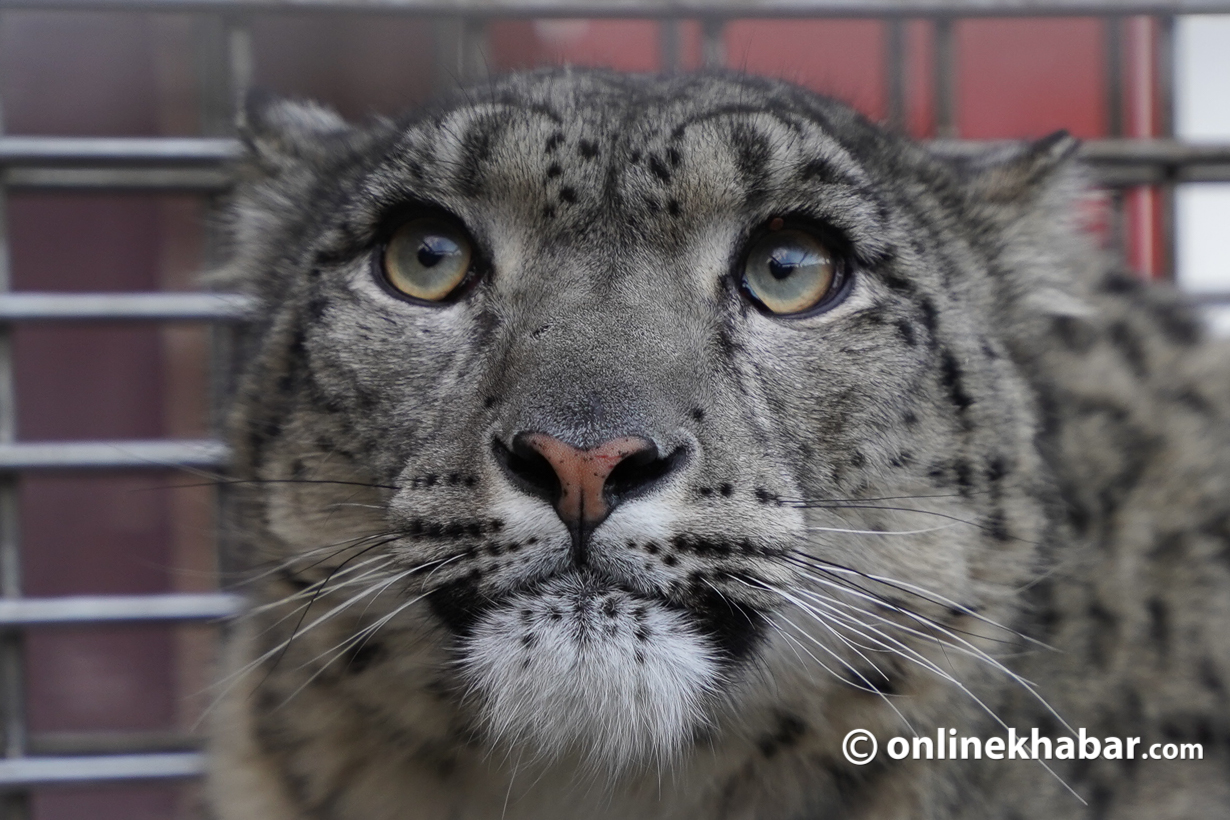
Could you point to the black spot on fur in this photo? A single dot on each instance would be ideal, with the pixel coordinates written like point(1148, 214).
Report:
point(1191, 398)
point(1169, 546)
point(554, 170)
point(1074, 334)
point(897, 282)
point(1118, 283)
point(364, 656)
point(736, 628)
point(789, 730)
point(568, 194)
point(997, 469)
point(476, 147)
point(906, 331)
point(587, 148)
point(997, 527)
point(965, 475)
point(1209, 676)
point(554, 141)
point(953, 380)
point(459, 605)
point(1159, 625)
point(929, 316)
point(659, 168)
point(751, 160)
point(698, 414)
point(726, 490)
point(1177, 323)
point(1103, 634)
point(1129, 346)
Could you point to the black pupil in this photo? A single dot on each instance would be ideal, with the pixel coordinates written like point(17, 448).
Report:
point(435, 248)
point(785, 261)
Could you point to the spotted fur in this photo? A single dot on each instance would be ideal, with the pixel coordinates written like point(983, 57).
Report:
point(879, 516)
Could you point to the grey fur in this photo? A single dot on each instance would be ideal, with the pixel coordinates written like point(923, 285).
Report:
point(1023, 446)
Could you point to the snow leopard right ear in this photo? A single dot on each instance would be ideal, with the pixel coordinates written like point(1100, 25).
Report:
point(1020, 171)
point(278, 131)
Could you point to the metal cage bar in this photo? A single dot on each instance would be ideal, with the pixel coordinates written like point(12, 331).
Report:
point(203, 165)
point(655, 9)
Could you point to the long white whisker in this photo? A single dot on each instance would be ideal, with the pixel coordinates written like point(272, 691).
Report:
point(922, 592)
point(345, 646)
point(869, 686)
point(881, 532)
point(910, 654)
point(965, 647)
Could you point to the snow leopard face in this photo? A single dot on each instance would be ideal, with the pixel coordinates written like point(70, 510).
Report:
point(605, 417)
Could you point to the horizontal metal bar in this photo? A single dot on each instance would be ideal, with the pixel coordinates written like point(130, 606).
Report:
point(93, 609)
point(112, 455)
point(24, 772)
point(161, 151)
point(113, 743)
point(200, 164)
point(77, 307)
point(656, 8)
point(166, 180)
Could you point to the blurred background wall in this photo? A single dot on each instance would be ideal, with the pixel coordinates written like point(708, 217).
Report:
point(120, 74)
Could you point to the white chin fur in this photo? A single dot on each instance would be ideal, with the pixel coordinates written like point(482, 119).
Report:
point(599, 674)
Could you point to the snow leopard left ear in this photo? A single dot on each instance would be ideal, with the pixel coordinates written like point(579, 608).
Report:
point(277, 130)
point(1011, 175)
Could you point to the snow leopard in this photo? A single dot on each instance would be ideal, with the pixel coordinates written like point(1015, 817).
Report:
point(618, 446)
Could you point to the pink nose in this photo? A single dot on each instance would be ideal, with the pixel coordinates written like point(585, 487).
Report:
point(582, 474)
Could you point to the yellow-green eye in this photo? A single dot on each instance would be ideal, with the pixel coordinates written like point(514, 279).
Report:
point(789, 271)
point(427, 258)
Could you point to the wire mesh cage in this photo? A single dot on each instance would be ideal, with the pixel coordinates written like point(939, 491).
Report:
point(1146, 168)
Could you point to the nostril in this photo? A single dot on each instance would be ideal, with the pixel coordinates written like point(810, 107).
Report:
point(640, 471)
point(527, 467)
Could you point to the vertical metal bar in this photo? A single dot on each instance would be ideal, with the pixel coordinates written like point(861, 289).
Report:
point(894, 71)
point(670, 37)
point(1113, 39)
point(713, 42)
point(14, 805)
point(241, 68)
point(1164, 58)
point(226, 72)
point(461, 52)
point(945, 68)
point(1142, 201)
point(474, 49)
point(1115, 123)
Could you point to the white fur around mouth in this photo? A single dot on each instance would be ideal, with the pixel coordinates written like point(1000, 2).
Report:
point(611, 678)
